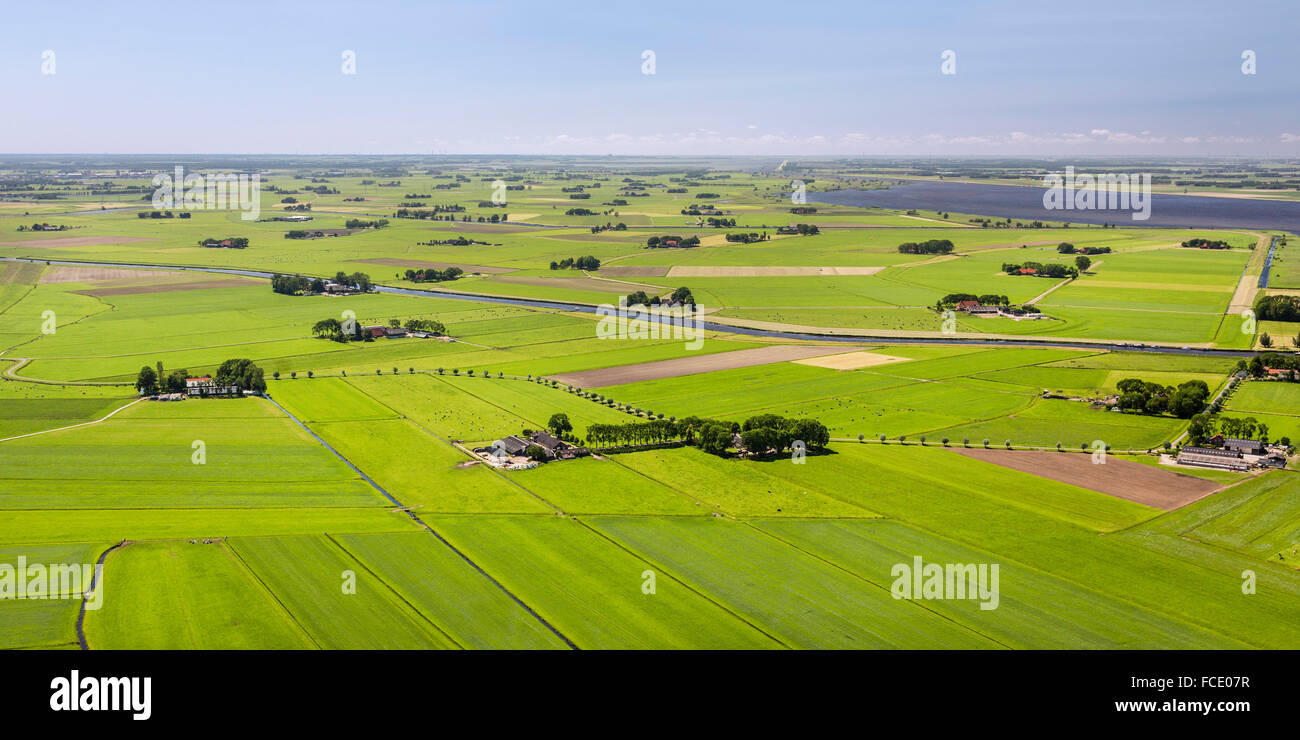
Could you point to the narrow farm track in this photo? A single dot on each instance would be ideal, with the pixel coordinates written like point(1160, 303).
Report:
point(407, 510)
point(74, 426)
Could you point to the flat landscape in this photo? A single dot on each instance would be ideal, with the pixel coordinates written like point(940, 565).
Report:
point(416, 432)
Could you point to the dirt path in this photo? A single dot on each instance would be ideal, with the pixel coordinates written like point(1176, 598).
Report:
point(110, 415)
point(1243, 299)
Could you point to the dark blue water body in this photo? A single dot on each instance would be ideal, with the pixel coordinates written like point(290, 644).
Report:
point(1026, 204)
point(1268, 264)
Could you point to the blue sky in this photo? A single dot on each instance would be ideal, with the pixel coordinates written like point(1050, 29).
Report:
point(1062, 78)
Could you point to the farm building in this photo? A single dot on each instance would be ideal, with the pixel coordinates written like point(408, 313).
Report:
point(511, 450)
point(1244, 446)
point(1210, 457)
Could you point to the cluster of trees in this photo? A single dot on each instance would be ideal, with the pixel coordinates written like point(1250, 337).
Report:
point(581, 263)
point(988, 299)
point(768, 434)
point(706, 196)
point(333, 329)
point(1205, 426)
point(681, 295)
point(1202, 243)
point(242, 374)
point(580, 212)
point(297, 284)
point(154, 214)
point(459, 241)
point(672, 241)
point(429, 325)
point(800, 229)
point(1051, 270)
point(433, 274)
point(749, 238)
point(1185, 401)
point(291, 284)
point(1277, 308)
point(236, 242)
point(803, 210)
point(1068, 248)
point(1258, 365)
point(357, 223)
point(579, 196)
point(620, 226)
point(434, 213)
point(152, 380)
point(934, 246)
point(357, 280)
point(721, 223)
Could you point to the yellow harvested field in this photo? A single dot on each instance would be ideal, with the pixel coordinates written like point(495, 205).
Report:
point(851, 360)
point(766, 271)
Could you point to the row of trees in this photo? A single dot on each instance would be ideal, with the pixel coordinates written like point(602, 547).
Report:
point(988, 299)
point(154, 214)
point(1068, 248)
point(581, 263)
point(749, 238)
point(1202, 243)
point(933, 246)
point(1185, 401)
point(762, 435)
point(800, 229)
point(357, 223)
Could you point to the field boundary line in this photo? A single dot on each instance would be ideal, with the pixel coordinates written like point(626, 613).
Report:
point(869, 582)
point(455, 446)
point(94, 584)
point(339, 546)
point(74, 426)
point(685, 583)
point(410, 513)
point(275, 597)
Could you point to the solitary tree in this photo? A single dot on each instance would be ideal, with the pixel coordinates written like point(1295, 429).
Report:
point(146, 382)
point(559, 424)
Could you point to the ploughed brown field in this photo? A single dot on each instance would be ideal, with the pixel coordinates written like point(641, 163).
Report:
point(77, 241)
point(1144, 484)
point(692, 365)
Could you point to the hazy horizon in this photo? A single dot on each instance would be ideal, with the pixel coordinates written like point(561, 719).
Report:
point(727, 79)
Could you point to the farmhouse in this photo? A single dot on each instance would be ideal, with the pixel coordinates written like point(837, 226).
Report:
point(511, 452)
point(374, 331)
point(206, 386)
